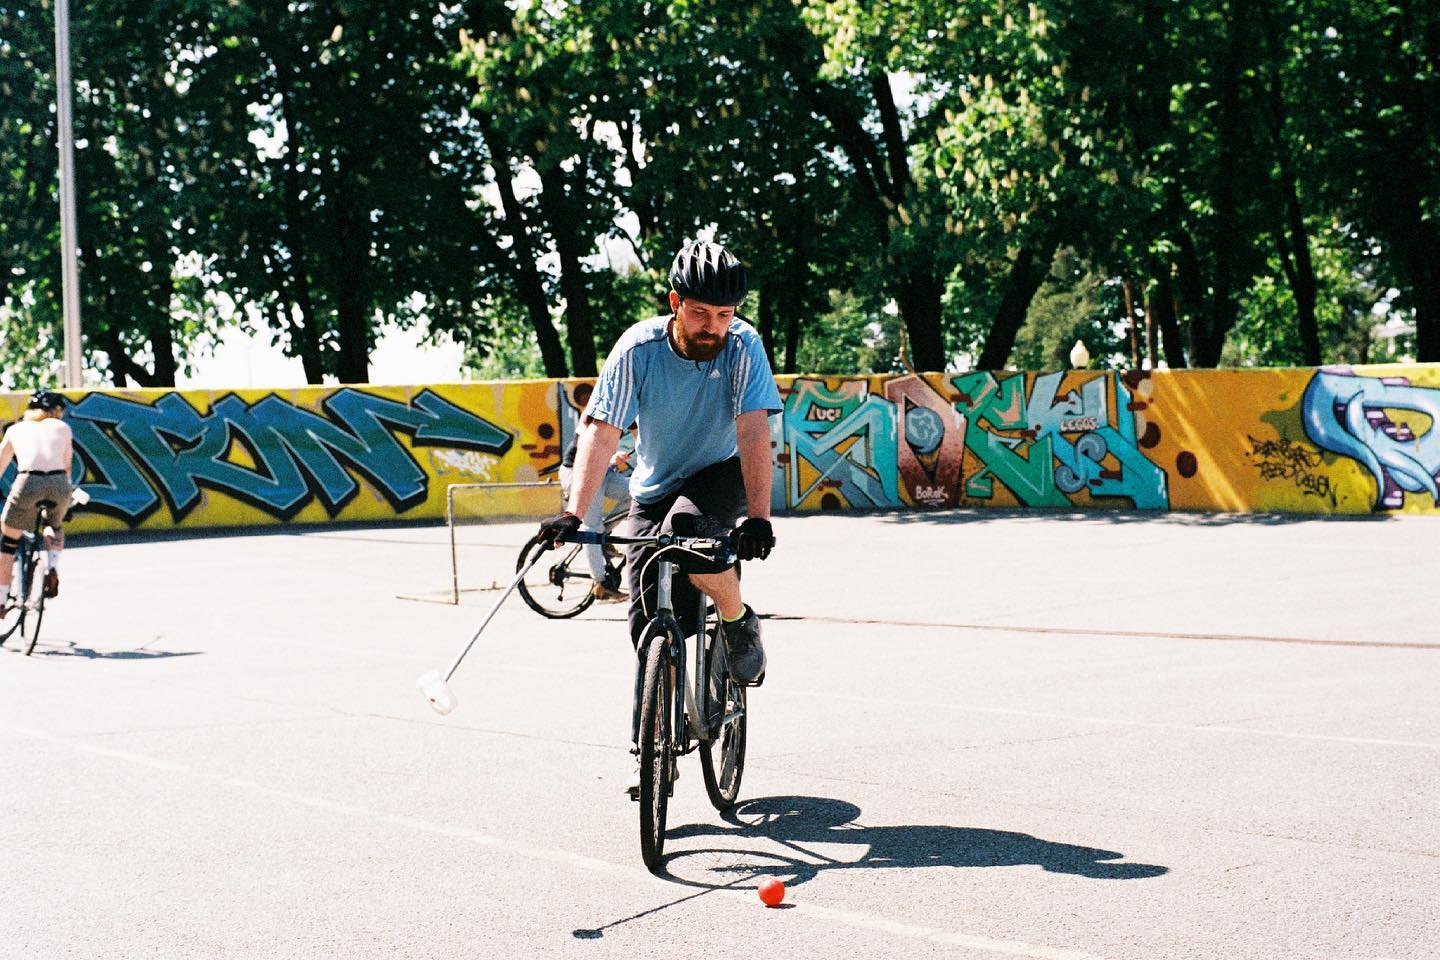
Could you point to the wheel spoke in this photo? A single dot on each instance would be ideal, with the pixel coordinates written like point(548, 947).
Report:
point(547, 588)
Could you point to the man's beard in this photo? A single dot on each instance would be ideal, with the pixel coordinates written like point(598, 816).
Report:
point(699, 348)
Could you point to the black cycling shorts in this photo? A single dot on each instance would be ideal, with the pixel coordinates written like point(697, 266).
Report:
point(707, 504)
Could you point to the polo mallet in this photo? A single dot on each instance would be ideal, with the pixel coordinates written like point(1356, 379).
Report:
point(436, 687)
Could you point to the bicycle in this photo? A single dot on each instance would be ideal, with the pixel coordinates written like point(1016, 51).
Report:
point(665, 727)
point(545, 588)
point(27, 583)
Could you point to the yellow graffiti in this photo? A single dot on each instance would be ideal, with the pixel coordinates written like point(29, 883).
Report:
point(1328, 441)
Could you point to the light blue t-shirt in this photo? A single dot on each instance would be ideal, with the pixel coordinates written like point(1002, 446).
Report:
point(685, 409)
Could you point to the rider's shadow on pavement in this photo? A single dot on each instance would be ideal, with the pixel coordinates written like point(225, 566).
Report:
point(798, 823)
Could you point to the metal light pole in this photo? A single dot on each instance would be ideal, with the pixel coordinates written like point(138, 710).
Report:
point(69, 275)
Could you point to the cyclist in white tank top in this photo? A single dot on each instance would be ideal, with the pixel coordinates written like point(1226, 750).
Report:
point(42, 447)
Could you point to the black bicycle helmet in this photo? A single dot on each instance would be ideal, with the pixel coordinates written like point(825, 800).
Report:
point(45, 400)
point(709, 273)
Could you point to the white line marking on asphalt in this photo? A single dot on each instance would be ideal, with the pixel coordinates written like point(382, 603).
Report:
point(1116, 721)
point(849, 918)
point(946, 937)
point(963, 707)
point(1109, 632)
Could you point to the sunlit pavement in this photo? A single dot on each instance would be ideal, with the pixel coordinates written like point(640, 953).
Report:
point(983, 734)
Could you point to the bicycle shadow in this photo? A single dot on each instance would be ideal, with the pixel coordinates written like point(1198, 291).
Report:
point(68, 648)
point(796, 824)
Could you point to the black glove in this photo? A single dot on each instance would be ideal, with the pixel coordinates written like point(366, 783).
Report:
point(754, 539)
point(558, 528)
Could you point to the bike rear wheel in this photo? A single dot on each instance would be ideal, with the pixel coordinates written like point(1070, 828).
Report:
point(34, 609)
point(722, 757)
point(656, 753)
point(557, 588)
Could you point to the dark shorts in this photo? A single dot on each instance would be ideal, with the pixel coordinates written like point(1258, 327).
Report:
point(709, 504)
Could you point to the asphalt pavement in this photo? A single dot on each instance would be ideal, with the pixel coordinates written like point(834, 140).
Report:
point(983, 734)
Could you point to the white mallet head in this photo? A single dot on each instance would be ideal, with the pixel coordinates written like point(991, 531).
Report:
point(437, 691)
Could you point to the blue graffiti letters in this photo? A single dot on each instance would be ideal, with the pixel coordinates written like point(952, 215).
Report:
point(1356, 417)
point(1023, 441)
point(271, 454)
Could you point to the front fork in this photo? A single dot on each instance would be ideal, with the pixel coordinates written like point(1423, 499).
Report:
point(664, 626)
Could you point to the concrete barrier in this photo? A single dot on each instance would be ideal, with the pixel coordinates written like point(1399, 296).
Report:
point(1327, 441)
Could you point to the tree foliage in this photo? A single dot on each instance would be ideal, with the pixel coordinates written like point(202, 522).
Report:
point(921, 182)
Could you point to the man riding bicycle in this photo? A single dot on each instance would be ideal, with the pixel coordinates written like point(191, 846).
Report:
point(42, 447)
point(700, 389)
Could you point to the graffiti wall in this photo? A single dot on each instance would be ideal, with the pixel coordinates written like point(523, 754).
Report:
point(168, 458)
point(1333, 440)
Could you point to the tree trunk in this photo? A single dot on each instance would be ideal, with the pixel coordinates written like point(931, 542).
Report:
point(1186, 297)
point(351, 253)
point(1168, 319)
point(295, 240)
point(1130, 323)
point(527, 275)
point(1027, 273)
point(162, 344)
point(765, 322)
point(158, 324)
point(123, 368)
point(1215, 322)
point(1293, 241)
point(1152, 348)
point(792, 338)
point(917, 294)
point(302, 334)
point(1425, 287)
point(919, 291)
point(120, 364)
point(1414, 50)
point(1292, 237)
point(884, 183)
point(565, 228)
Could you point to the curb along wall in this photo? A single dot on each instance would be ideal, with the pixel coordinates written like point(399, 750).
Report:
point(1326, 441)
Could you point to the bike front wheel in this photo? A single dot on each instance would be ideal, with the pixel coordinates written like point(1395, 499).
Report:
point(656, 748)
point(722, 756)
point(30, 583)
point(556, 587)
point(11, 617)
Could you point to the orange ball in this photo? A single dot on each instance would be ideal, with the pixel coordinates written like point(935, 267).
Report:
point(771, 892)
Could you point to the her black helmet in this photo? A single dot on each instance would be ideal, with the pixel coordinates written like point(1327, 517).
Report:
point(709, 273)
point(45, 400)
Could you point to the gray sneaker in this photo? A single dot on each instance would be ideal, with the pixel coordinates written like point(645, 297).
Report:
point(743, 648)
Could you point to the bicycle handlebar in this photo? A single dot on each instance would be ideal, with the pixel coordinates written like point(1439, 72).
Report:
point(725, 544)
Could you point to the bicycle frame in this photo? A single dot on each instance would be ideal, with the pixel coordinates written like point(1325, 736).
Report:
point(32, 562)
point(32, 555)
point(664, 623)
point(659, 732)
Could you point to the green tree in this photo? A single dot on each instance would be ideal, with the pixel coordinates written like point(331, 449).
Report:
point(336, 170)
point(133, 156)
point(1370, 79)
